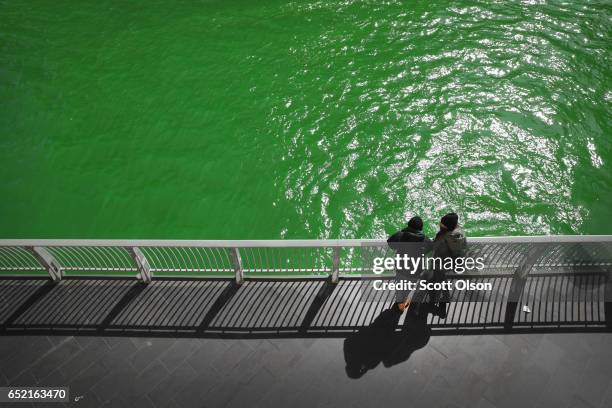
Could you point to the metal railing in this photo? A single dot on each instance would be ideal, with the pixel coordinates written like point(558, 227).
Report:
point(147, 259)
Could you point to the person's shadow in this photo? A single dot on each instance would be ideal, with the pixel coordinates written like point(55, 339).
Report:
point(381, 342)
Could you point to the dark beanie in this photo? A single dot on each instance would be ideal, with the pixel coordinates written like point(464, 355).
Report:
point(416, 223)
point(450, 221)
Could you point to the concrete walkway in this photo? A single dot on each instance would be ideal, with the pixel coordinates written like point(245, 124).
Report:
point(277, 344)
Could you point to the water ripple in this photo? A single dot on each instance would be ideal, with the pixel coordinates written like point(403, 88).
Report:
point(483, 109)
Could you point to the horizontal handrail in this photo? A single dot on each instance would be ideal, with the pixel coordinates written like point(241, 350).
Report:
point(147, 259)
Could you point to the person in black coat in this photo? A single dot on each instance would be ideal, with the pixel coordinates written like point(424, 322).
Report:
point(412, 242)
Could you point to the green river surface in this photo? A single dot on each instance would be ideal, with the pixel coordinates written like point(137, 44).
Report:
point(267, 119)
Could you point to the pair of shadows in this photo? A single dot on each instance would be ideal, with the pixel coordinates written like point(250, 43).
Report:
point(381, 342)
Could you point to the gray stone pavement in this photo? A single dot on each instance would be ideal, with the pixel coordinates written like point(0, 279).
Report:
point(517, 370)
point(284, 344)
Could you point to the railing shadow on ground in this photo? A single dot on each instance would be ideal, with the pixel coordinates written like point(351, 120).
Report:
point(271, 308)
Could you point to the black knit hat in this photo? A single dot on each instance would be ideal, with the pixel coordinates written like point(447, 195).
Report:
point(450, 221)
point(416, 223)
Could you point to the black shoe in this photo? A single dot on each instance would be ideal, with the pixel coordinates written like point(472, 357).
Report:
point(442, 311)
point(433, 309)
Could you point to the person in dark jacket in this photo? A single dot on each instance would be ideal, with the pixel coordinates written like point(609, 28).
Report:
point(449, 242)
point(411, 242)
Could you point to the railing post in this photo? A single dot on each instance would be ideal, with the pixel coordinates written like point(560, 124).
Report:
point(519, 279)
point(237, 264)
point(608, 301)
point(335, 275)
point(144, 269)
point(47, 260)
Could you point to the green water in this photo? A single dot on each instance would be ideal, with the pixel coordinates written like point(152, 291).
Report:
point(306, 119)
